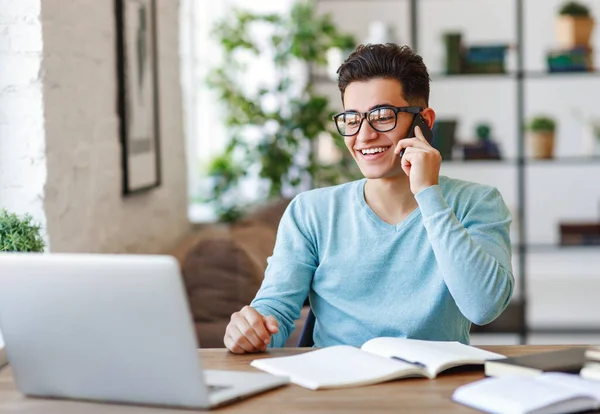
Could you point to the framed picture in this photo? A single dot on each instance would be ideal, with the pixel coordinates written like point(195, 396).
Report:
point(138, 94)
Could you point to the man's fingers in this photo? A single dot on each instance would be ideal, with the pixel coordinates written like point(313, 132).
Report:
point(243, 326)
point(419, 134)
point(410, 142)
point(272, 324)
point(249, 331)
point(232, 346)
point(242, 341)
point(257, 324)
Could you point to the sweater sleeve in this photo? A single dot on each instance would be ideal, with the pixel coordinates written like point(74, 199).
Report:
point(475, 254)
point(289, 273)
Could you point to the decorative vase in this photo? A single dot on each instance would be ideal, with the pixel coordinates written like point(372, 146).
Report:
point(573, 32)
point(542, 144)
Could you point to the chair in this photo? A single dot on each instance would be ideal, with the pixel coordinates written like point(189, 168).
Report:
point(306, 338)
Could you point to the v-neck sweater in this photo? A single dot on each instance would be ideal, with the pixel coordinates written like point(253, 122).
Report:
point(445, 266)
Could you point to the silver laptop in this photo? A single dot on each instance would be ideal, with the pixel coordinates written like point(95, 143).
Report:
point(113, 328)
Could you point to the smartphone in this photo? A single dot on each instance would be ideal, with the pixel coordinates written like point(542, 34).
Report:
point(422, 124)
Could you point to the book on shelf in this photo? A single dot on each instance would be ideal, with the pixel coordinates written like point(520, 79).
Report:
point(591, 368)
point(566, 360)
point(547, 393)
point(591, 371)
point(580, 234)
point(378, 360)
point(486, 59)
point(579, 59)
point(593, 353)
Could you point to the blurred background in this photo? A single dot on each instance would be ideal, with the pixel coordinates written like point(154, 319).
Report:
point(184, 127)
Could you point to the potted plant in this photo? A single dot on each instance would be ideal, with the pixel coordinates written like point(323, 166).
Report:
point(271, 142)
point(541, 134)
point(574, 26)
point(19, 234)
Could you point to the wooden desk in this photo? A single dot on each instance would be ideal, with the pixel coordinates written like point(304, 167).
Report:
point(401, 396)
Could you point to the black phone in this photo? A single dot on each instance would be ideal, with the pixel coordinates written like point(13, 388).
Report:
point(422, 124)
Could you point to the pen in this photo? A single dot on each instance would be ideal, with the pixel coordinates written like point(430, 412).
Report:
point(417, 363)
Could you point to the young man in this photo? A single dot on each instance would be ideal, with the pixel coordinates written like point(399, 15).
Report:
point(403, 252)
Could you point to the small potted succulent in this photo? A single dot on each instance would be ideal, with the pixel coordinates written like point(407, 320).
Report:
point(574, 26)
point(542, 136)
point(19, 234)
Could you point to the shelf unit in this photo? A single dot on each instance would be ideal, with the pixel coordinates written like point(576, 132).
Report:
point(514, 319)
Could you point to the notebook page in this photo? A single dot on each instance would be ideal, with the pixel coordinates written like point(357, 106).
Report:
point(432, 354)
point(520, 395)
point(572, 381)
point(336, 366)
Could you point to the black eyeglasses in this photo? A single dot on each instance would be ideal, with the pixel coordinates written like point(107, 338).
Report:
point(381, 119)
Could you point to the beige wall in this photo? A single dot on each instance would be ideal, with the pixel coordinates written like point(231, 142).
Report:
point(84, 208)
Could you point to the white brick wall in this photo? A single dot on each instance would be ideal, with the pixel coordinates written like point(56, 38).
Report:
point(22, 147)
point(65, 121)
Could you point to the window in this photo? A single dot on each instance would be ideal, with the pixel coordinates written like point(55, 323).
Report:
point(205, 136)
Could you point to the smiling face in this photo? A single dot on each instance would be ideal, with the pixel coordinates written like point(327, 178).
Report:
point(373, 151)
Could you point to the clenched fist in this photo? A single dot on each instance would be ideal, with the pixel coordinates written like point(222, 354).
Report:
point(249, 331)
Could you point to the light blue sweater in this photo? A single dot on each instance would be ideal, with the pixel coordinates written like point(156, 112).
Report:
point(446, 265)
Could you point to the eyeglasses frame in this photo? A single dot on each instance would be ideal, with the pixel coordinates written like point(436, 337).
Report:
point(408, 109)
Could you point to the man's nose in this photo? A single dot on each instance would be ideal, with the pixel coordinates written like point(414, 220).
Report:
point(366, 132)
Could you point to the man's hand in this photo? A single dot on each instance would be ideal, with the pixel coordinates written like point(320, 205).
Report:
point(421, 162)
point(249, 331)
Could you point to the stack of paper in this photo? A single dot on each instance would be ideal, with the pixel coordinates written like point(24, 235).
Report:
point(548, 393)
point(591, 369)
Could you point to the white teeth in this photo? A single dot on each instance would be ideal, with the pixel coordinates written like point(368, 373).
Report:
point(373, 150)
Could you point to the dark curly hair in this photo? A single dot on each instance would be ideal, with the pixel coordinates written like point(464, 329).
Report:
point(388, 61)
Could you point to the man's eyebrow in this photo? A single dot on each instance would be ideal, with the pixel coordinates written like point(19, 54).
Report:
point(371, 108)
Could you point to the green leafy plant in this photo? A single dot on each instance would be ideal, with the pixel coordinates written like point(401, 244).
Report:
point(19, 234)
point(483, 132)
point(283, 154)
point(574, 9)
point(542, 124)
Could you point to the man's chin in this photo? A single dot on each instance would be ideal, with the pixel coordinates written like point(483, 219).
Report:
point(374, 175)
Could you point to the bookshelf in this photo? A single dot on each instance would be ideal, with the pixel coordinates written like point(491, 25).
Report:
point(514, 320)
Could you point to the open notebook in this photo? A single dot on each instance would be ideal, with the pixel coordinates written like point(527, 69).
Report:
point(378, 360)
point(547, 393)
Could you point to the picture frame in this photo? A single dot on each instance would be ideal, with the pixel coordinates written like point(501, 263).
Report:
point(137, 106)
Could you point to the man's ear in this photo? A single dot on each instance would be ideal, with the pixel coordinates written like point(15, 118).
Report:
point(429, 116)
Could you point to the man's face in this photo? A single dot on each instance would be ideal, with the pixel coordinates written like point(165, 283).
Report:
point(366, 146)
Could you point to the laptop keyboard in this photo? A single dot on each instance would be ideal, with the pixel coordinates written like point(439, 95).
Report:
point(215, 388)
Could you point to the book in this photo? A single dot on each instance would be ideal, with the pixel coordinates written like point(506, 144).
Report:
point(591, 371)
point(570, 60)
point(566, 360)
point(378, 360)
point(591, 368)
point(593, 353)
point(546, 393)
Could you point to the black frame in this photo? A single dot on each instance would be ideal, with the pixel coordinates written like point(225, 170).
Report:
point(407, 109)
point(122, 108)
